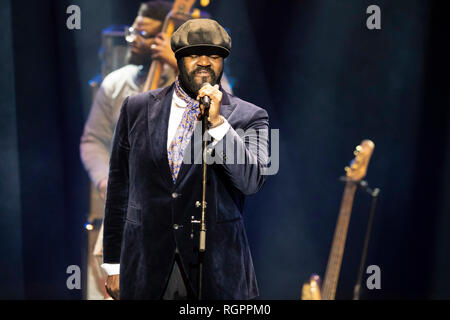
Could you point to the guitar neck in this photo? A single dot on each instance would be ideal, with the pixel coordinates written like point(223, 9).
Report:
point(337, 248)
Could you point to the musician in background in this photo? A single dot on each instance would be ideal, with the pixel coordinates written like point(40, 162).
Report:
point(145, 43)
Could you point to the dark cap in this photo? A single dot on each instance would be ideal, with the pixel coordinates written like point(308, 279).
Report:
point(201, 36)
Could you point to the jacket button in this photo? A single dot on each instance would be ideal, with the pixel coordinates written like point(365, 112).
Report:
point(174, 195)
point(175, 226)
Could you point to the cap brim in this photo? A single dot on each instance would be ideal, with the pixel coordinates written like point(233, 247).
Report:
point(201, 49)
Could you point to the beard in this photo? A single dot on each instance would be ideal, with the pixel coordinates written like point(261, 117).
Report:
point(137, 59)
point(187, 79)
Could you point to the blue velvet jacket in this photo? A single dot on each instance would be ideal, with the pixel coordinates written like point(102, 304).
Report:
point(147, 215)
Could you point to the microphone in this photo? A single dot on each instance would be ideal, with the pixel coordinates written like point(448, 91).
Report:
point(205, 100)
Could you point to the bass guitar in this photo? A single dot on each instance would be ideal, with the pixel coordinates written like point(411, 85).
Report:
point(355, 172)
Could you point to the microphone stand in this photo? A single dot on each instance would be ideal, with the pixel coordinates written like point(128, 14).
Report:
point(202, 243)
point(374, 194)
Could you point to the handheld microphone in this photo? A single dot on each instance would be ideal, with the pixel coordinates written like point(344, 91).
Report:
point(205, 100)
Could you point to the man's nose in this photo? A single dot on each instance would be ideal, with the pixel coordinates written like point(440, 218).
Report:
point(204, 61)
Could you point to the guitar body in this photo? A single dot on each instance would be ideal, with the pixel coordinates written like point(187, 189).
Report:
point(311, 289)
point(354, 173)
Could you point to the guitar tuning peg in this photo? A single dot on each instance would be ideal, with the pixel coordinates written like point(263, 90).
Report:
point(347, 168)
point(355, 164)
point(355, 153)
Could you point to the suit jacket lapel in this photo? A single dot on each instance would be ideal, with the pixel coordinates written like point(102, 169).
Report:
point(158, 120)
point(226, 108)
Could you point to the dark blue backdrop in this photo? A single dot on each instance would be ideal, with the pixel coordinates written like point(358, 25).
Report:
point(327, 82)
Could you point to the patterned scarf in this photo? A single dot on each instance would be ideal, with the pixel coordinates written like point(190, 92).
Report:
point(184, 131)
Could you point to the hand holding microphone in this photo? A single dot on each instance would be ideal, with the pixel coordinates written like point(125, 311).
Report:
point(205, 100)
point(210, 97)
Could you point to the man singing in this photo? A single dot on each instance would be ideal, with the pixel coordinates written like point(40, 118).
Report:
point(153, 187)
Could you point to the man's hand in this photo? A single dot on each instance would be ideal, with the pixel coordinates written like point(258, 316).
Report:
point(102, 188)
point(216, 98)
point(161, 50)
point(112, 286)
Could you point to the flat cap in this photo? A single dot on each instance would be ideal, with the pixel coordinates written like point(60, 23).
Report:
point(200, 36)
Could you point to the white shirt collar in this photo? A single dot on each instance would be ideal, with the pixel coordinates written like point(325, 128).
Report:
point(178, 101)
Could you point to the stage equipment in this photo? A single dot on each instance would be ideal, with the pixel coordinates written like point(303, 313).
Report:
point(312, 290)
point(205, 101)
point(114, 49)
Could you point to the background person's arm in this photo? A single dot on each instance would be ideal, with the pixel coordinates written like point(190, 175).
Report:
point(96, 140)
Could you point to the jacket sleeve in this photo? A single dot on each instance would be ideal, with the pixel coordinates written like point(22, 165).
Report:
point(117, 191)
point(243, 153)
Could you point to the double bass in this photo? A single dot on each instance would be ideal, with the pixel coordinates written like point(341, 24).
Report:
point(179, 14)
